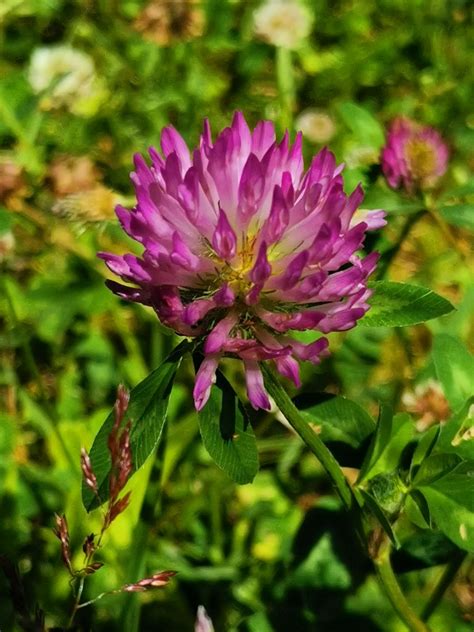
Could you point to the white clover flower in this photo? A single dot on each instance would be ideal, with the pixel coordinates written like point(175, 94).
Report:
point(67, 76)
point(316, 125)
point(283, 23)
point(428, 403)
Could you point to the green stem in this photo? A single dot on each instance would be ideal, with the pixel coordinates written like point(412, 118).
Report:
point(441, 587)
point(286, 86)
point(393, 591)
point(382, 562)
point(308, 435)
point(77, 601)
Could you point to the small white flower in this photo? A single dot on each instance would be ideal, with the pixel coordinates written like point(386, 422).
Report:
point(65, 74)
point(316, 125)
point(283, 23)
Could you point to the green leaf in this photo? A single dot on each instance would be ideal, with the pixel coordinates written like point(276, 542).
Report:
point(388, 444)
point(450, 499)
point(424, 448)
point(227, 434)
point(340, 419)
point(417, 510)
point(363, 125)
point(381, 196)
point(383, 432)
point(400, 304)
point(435, 467)
point(424, 549)
point(381, 516)
point(322, 568)
point(458, 191)
point(259, 622)
point(454, 367)
point(147, 412)
point(461, 215)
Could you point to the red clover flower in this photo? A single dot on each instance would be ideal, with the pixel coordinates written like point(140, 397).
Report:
point(414, 157)
point(242, 246)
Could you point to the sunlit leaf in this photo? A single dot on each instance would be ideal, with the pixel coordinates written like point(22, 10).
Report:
point(454, 368)
point(147, 412)
point(401, 304)
point(363, 125)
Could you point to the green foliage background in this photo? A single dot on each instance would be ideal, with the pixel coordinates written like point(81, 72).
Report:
point(276, 554)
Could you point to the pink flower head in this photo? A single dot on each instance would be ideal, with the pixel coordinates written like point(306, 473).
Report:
point(241, 246)
point(414, 157)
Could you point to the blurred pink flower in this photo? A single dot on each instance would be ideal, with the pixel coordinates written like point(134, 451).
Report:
point(414, 157)
point(203, 621)
point(241, 246)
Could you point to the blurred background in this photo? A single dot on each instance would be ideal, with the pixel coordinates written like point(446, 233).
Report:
point(85, 84)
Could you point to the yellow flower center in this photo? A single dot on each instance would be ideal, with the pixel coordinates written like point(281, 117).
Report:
point(236, 274)
point(421, 157)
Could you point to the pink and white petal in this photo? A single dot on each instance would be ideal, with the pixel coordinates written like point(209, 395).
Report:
point(224, 240)
point(219, 335)
point(173, 142)
point(289, 368)
point(205, 378)
point(255, 388)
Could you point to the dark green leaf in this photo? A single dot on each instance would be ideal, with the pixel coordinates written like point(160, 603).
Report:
point(454, 368)
point(393, 439)
point(450, 499)
point(434, 467)
point(417, 510)
point(422, 550)
point(322, 568)
point(147, 413)
point(383, 432)
point(400, 304)
point(227, 434)
point(424, 448)
point(340, 419)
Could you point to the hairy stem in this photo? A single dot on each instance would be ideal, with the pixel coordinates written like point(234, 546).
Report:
point(308, 435)
point(441, 587)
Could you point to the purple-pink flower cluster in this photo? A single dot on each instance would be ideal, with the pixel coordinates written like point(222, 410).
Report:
point(414, 156)
point(242, 246)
